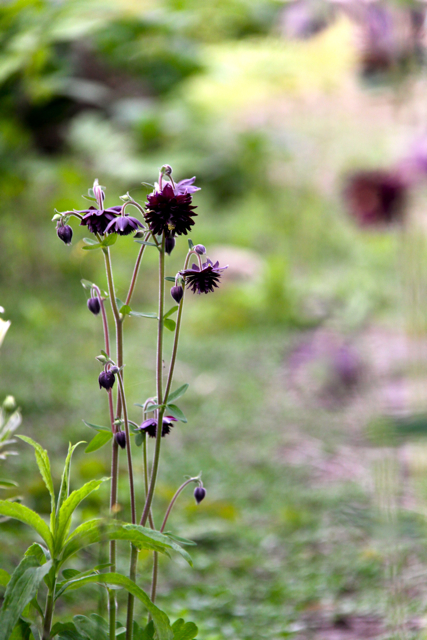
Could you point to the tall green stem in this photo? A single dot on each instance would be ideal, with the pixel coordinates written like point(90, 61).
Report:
point(48, 616)
point(159, 384)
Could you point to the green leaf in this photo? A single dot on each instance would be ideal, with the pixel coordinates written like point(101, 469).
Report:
point(184, 630)
point(152, 407)
point(138, 314)
point(160, 619)
point(21, 589)
point(125, 309)
point(98, 441)
point(170, 279)
point(139, 438)
point(4, 578)
point(95, 627)
point(178, 393)
point(97, 427)
point(7, 484)
point(158, 537)
point(66, 631)
point(89, 241)
point(44, 468)
point(184, 541)
point(170, 312)
point(169, 324)
point(119, 303)
point(69, 574)
point(22, 629)
point(86, 284)
point(38, 552)
point(64, 490)
point(70, 505)
point(28, 516)
point(147, 633)
point(148, 244)
point(190, 243)
point(176, 412)
point(110, 240)
point(92, 247)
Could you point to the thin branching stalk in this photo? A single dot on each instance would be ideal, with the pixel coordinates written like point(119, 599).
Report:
point(136, 269)
point(174, 499)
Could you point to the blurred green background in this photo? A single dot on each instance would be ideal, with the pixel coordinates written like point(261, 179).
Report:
point(313, 524)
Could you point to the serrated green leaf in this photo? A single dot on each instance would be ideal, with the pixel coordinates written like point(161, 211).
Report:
point(184, 630)
point(173, 410)
point(170, 312)
point(4, 578)
point(90, 241)
point(97, 427)
point(160, 619)
point(27, 516)
point(86, 284)
point(110, 240)
point(178, 393)
point(98, 441)
point(138, 314)
point(170, 279)
point(43, 464)
point(22, 588)
point(7, 484)
point(169, 324)
point(65, 480)
point(70, 505)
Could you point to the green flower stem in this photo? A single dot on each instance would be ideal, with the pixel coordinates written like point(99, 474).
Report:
point(174, 499)
point(128, 448)
point(48, 616)
point(112, 600)
point(159, 384)
point(136, 269)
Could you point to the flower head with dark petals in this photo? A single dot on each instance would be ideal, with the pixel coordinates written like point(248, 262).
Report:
point(150, 426)
point(123, 225)
point(97, 220)
point(169, 211)
point(203, 280)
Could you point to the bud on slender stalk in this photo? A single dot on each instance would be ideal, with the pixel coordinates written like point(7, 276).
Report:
point(177, 292)
point(64, 233)
point(94, 305)
point(106, 380)
point(200, 249)
point(199, 494)
point(120, 438)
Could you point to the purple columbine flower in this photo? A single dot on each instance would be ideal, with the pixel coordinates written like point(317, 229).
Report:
point(199, 494)
point(150, 426)
point(205, 279)
point(170, 212)
point(106, 380)
point(94, 305)
point(97, 220)
point(186, 186)
point(120, 438)
point(376, 198)
point(123, 225)
point(64, 233)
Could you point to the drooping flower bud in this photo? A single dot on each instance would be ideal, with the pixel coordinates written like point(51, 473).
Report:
point(120, 438)
point(94, 305)
point(177, 292)
point(9, 403)
point(64, 233)
point(106, 380)
point(169, 245)
point(199, 494)
point(200, 249)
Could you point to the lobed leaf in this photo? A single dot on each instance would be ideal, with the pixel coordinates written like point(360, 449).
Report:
point(169, 324)
point(184, 630)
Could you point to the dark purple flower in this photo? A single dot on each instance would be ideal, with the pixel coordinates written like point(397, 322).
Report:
point(200, 249)
point(186, 186)
point(106, 380)
point(64, 233)
point(124, 225)
point(199, 494)
point(150, 426)
point(376, 198)
point(120, 438)
point(177, 292)
point(169, 245)
point(97, 220)
point(169, 212)
point(94, 305)
point(205, 279)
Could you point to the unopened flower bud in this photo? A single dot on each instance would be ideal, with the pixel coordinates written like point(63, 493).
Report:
point(106, 380)
point(166, 170)
point(64, 233)
point(114, 370)
point(199, 494)
point(177, 293)
point(9, 403)
point(120, 438)
point(169, 245)
point(94, 305)
point(138, 235)
point(200, 249)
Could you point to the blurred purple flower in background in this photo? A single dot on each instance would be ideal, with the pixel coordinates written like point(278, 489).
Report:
point(376, 197)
